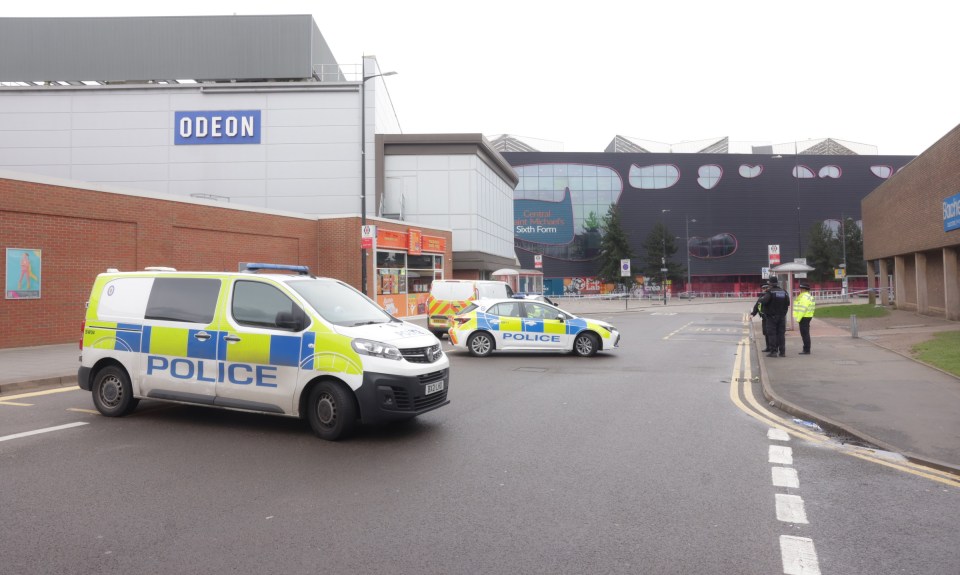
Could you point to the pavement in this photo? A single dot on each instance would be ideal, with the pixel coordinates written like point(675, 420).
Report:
point(869, 387)
point(866, 387)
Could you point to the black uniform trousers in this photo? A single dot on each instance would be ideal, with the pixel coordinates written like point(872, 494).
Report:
point(777, 326)
point(765, 329)
point(805, 332)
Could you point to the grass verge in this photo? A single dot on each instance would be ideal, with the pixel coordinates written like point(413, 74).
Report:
point(941, 351)
point(845, 311)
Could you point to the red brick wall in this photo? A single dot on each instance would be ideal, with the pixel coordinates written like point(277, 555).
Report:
point(905, 214)
point(82, 233)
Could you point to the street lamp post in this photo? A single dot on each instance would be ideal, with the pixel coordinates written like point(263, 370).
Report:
point(363, 162)
point(663, 256)
point(688, 220)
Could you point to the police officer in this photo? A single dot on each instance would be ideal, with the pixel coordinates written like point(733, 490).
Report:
point(803, 308)
point(776, 304)
point(758, 308)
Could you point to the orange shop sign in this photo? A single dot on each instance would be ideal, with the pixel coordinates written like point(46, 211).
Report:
point(414, 242)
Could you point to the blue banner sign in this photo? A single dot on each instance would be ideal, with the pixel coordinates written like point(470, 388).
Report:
point(217, 127)
point(951, 213)
point(544, 222)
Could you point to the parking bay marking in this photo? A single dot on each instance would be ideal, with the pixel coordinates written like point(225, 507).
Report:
point(44, 430)
point(6, 400)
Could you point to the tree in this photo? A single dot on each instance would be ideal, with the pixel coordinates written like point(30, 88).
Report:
point(614, 246)
point(854, 246)
point(825, 251)
point(822, 252)
point(660, 245)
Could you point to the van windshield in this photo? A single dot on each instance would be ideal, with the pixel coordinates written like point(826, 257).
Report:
point(339, 303)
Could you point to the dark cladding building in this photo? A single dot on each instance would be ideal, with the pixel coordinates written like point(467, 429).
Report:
point(741, 204)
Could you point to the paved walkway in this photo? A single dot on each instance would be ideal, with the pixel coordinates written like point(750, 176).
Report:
point(867, 387)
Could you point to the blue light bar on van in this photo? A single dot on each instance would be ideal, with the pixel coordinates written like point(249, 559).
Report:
point(302, 270)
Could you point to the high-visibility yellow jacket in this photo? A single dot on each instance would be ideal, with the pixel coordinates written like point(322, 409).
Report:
point(803, 306)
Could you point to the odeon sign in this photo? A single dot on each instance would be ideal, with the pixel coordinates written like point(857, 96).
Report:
point(217, 127)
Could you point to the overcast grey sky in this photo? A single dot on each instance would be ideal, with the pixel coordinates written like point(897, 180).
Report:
point(579, 73)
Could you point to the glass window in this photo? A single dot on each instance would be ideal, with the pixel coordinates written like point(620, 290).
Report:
point(390, 282)
point(257, 304)
point(394, 260)
point(510, 309)
point(421, 262)
point(339, 303)
point(589, 170)
point(191, 300)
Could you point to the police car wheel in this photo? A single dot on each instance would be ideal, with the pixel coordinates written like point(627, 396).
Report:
point(480, 344)
point(112, 392)
point(585, 345)
point(331, 411)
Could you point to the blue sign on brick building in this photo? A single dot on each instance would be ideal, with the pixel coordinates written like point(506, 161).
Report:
point(951, 213)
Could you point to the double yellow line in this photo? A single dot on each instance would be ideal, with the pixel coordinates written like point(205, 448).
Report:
point(743, 373)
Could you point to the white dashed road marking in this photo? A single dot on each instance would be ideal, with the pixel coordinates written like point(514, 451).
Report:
point(39, 431)
point(799, 556)
point(790, 509)
point(785, 477)
point(781, 455)
point(777, 434)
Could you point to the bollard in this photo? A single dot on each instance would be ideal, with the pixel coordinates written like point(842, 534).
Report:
point(853, 327)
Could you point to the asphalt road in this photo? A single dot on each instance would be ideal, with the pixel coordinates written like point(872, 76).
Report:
point(634, 461)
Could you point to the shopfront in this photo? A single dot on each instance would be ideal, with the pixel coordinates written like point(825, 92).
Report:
point(407, 262)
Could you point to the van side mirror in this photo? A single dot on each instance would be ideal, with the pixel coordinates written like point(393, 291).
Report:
point(560, 316)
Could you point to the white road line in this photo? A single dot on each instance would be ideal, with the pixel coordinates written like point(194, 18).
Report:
point(799, 556)
point(780, 454)
point(777, 434)
point(44, 430)
point(785, 477)
point(790, 509)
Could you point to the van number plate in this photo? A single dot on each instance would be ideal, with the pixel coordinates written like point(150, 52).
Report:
point(434, 387)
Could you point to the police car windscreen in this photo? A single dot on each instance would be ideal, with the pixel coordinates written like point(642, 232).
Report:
point(338, 303)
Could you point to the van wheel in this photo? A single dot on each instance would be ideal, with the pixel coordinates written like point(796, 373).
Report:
point(112, 392)
point(585, 345)
point(480, 344)
point(331, 411)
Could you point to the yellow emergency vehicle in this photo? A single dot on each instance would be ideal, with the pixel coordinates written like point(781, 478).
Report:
point(448, 297)
point(282, 342)
point(526, 325)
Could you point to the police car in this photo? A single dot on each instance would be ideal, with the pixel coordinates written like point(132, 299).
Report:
point(278, 343)
point(525, 325)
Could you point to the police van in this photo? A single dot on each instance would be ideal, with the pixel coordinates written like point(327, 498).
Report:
point(272, 339)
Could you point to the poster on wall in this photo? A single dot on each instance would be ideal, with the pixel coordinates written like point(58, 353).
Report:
point(23, 274)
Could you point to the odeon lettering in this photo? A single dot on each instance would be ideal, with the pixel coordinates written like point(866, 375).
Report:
point(237, 373)
point(541, 337)
point(222, 127)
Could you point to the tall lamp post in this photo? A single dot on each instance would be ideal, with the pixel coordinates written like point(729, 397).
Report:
point(663, 256)
point(363, 162)
point(688, 220)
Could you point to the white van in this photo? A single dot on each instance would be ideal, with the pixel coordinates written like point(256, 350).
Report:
point(448, 297)
point(275, 343)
